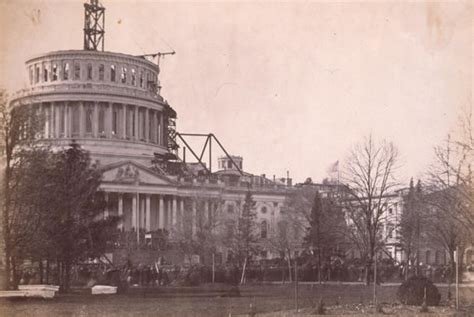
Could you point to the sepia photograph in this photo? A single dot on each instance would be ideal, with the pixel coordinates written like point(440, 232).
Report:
point(236, 158)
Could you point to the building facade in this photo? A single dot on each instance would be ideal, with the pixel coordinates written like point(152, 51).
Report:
point(110, 104)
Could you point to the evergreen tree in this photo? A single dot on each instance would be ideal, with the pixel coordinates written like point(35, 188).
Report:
point(323, 236)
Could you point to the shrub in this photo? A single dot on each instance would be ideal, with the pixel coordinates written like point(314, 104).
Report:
point(412, 292)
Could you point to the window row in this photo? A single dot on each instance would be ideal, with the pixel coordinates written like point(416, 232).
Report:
point(50, 72)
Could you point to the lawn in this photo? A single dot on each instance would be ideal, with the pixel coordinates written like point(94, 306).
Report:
point(264, 299)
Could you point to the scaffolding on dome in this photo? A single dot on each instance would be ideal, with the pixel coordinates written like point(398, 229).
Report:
point(94, 26)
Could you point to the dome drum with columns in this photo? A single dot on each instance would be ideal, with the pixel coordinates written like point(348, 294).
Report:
point(108, 102)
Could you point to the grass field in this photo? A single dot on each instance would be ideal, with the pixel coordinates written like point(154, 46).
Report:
point(264, 299)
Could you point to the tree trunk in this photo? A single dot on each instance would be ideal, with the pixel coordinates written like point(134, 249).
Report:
point(242, 279)
point(47, 270)
point(41, 270)
point(6, 223)
point(289, 267)
point(319, 266)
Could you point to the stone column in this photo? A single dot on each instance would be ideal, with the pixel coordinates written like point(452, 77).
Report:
point(124, 121)
point(148, 214)
point(137, 137)
point(82, 121)
point(194, 220)
point(205, 215)
point(147, 126)
point(181, 216)
point(161, 141)
point(175, 213)
point(134, 211)
point(120, 209)
point(108, 120)
point(66, 120)
point(106, 210)
point(161, 222)
point(57, 118)
point(95, 120)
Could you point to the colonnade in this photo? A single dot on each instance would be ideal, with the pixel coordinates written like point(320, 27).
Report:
point(84, 119)
point(177, 214)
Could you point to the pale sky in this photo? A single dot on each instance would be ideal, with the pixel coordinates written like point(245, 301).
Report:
point(288, 86)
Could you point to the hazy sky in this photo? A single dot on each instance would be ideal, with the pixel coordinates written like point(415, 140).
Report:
point(289, 86)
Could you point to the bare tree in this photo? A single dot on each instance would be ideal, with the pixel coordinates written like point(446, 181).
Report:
point(451, 194)
point(369, 179)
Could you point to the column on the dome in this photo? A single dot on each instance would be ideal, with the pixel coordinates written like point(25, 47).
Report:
point(66, 119)
point(95, 120)
point(148, 214)
point(82, 121)
point(147, 126)
point(124, 121)
point(161, 130)
point(57, 118)
point(108, 120)
point(161, 222)
point(137, 137)
point(120, 209)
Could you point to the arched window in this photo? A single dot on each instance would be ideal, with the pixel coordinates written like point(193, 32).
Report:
point(112, 72)
point(37, 74)
point(123, 76)
point(89, 71)
point(134, 78)
point(101, 71)
point(263, 229)
point(77, 71)
point(54, 72)
point(66, 71)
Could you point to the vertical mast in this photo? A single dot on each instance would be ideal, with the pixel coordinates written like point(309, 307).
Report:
point(94, 26)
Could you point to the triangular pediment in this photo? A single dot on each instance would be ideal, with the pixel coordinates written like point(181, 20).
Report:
point(130, 172)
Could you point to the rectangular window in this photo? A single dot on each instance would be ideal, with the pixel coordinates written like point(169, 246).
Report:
point(89, 71)
point(123, 76)
point(54, 72)
point(89, 113)
point(66, 71)
point(101, 71)
point(77, 71)
point(141, 80)
point(112, 73)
